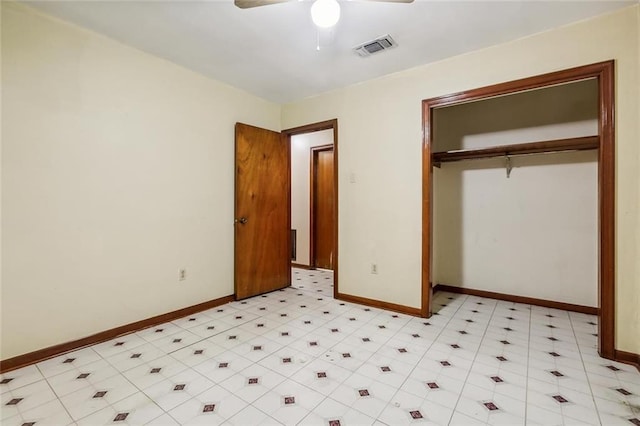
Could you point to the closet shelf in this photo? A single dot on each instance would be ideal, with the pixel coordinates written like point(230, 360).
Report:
point(558, 145)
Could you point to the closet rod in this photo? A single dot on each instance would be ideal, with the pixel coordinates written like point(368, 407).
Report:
point(558, 145)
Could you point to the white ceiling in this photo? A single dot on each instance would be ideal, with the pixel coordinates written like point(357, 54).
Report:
point(271, 51)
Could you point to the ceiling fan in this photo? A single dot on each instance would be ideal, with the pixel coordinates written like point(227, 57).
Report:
point(325, 13)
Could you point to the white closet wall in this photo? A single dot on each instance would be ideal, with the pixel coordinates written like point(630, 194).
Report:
point(533, 234)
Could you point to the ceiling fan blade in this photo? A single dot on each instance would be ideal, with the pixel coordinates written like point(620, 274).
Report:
point(393, 1)
point(246, 4)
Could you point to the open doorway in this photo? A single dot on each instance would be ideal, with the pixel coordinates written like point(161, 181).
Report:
point(314, 196)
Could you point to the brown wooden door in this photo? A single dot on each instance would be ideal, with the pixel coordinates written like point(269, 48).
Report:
point(262, 211)
point(323, 226)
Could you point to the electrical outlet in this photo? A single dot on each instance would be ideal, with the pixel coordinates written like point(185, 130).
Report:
point(374, 268)
point(182, 275)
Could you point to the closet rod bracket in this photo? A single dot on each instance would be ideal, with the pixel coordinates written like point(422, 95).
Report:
point(508, 166)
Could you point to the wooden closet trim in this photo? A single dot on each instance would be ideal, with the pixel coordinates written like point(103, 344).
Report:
point(604, 73)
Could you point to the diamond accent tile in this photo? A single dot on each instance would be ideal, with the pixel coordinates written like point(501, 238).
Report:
point(68, 360)
point(120, 417)
point(415, 414)
point(554, 354)
point(433, 385)
point(179, 387)
point(119, 344)
point(209, 408)
point(99, 394)
point(635, 421)
point(177, 340)
point(556, 373)
point(223, 365)
point(402, 350)
point(5, 381)
point(445, 363)
point(321, 375)
point(155, 370)
point(385, 369)
point(364, 392)
point(334, 423)
point(346, 355)
point(288, 400)
point(198, 352)
point(490, 406)
point(497, 379)
point(14, 401)
point(559, 398)
point(134, 356)
point(366, 339)
point(83, 376)
point(286, 360)
point(253, 381)
point(613, 368)
point(501, 358)
point(624, 391)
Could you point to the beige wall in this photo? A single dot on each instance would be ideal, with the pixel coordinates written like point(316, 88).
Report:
point(117, 171)
point(535, 233)
point(300, 186)
point(380, 135)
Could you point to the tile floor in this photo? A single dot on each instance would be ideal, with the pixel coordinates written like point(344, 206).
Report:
point(298, 356)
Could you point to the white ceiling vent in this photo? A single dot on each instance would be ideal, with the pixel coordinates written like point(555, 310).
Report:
point(374, 46)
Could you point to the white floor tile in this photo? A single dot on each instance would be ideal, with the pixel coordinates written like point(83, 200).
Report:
point(298, 357)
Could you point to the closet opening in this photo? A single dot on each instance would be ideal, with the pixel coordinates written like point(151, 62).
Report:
point(518, 194)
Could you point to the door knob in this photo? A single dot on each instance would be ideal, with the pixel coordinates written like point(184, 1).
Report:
point(242, 220)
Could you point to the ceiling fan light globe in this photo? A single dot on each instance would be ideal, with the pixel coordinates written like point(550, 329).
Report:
point(325, 13)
